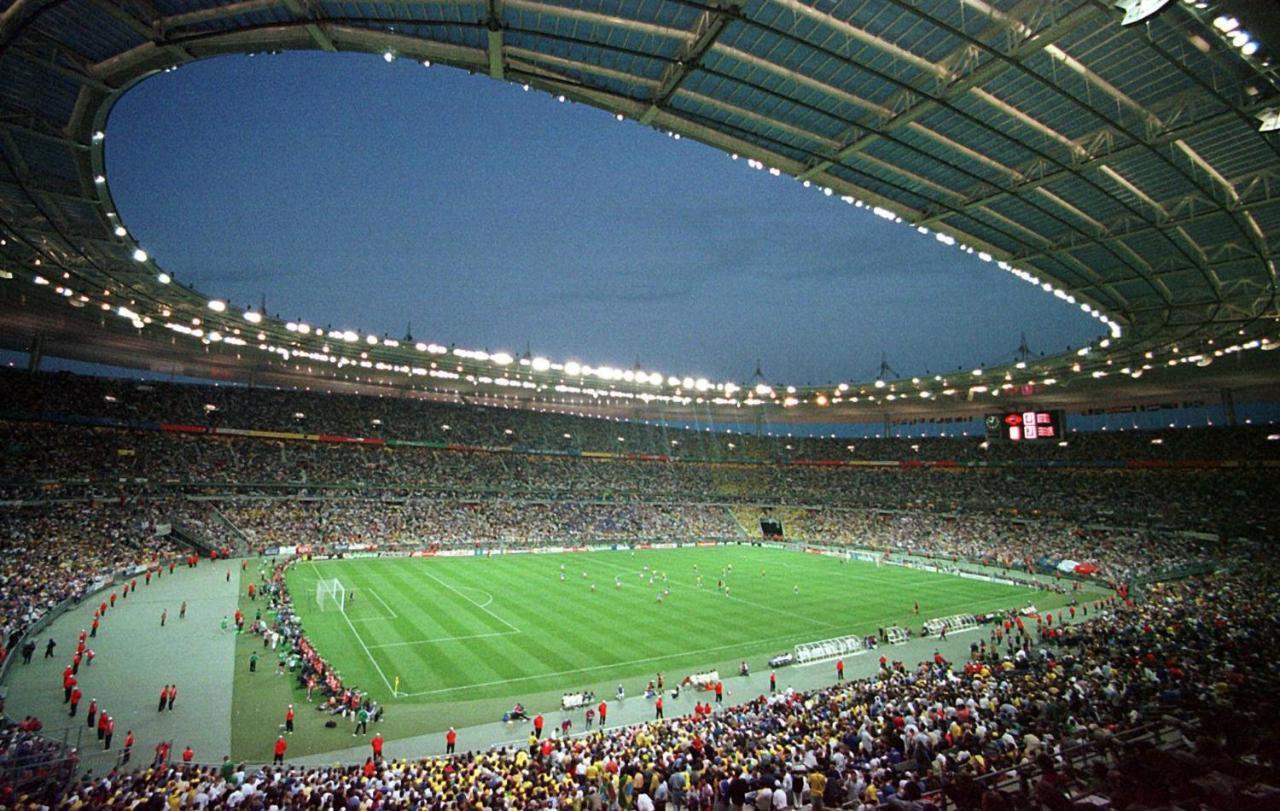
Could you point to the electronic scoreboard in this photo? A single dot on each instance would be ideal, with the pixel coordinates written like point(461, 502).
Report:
point(1025, 426)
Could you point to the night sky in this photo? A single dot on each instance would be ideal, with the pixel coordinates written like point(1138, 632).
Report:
point(369, 196)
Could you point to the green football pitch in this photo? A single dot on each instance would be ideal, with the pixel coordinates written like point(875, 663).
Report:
point(492, 630)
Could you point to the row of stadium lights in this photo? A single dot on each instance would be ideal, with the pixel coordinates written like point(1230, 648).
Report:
point(1228, 25)
point(950, 241)
point(572, 369)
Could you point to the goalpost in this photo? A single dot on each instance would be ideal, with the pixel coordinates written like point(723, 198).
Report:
point(330, 595)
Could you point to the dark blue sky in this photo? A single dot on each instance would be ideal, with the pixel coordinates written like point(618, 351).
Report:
point(369, 195)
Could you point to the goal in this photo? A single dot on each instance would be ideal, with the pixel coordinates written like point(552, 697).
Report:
point(330, 595)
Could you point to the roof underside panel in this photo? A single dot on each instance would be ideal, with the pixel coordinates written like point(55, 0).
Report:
point(28, 89)
point(86, 30)
point(881, 183)
point(46, 158)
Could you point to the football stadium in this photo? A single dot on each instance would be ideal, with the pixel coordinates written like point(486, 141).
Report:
point(258, 560)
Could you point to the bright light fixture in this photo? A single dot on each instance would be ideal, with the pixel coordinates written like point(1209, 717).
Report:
point(139, 255)
point(1226, 23)
point(217, 305)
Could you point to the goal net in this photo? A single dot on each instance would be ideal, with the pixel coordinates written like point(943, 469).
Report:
point(330, 595)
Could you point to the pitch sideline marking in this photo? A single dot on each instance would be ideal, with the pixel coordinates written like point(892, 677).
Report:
point(595, 667)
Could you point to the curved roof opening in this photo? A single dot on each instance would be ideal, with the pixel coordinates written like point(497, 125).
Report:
point(373, 196)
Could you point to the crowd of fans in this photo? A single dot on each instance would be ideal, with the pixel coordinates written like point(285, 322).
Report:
point(1021, 723)
point(410, 416)
point(53, 553)
point(487, 523)
point(84, 462)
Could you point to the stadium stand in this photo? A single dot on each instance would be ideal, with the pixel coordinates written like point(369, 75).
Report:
point(122, 497)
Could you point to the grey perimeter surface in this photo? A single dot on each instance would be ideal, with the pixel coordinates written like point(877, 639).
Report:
point(135, 659)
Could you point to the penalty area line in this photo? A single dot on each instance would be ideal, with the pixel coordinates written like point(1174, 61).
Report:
point(483, 608)
point(360, 639)
point(442, 639)
point(390, 610)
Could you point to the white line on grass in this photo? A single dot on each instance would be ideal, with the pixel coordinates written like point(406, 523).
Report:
point(442, 639)
point(483, 608)
point(360, 639)
point(482, 591)
point(598, 667)
point(390, 610)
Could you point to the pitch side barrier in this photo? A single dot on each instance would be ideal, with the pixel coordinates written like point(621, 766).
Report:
point(874, 556)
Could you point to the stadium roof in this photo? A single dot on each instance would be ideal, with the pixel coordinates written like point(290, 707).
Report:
point(1122, 168)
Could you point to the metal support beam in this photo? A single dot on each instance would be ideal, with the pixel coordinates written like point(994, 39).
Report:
point(960, 86)
point(710, 24)
point(318, 36)
point(497, 59)
point(496, 67)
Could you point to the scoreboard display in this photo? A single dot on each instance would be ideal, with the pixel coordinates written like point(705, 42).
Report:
point(1026, 426)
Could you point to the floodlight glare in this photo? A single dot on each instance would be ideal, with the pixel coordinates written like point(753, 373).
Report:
point(1270, 119)
point(139, 255)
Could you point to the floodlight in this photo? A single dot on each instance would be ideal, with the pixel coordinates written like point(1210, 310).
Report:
point(1270, 119)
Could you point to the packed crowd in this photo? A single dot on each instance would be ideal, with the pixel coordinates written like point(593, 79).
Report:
point(488, 523)
point(1123, 555)
point(82, 462)
point(1021, 723)
point(53, 553)
point(412, 417)
point(28, 759)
